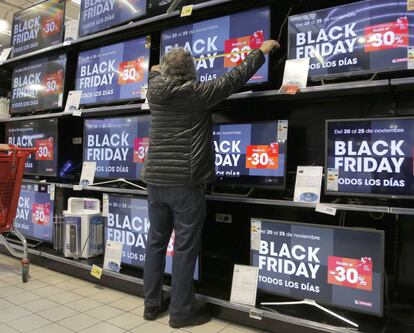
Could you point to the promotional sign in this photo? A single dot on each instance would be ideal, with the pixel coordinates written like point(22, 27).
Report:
point(370, 36)
point(113, 73)
point(35, 209)
point(117, 145)
point(37, 27)
point(38, 85)
point(39, 134)
point(370, 157)
point(251, 153)
point(98, 15)
point(128, 223)
point(343, 267)
point(220, 44)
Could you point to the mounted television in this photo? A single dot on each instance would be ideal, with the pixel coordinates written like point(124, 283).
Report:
point(38, 85)
point(38, 27)
point(101, 15)
point(35, 211)
point(337, 266)
point(117, 145)
point(113, 73)
point(216, 44)
point(128, 222)
point(370, 157)
point(363, 37)
point(252, 154)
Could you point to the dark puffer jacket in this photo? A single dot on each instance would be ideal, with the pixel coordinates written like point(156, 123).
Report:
point(180, 146)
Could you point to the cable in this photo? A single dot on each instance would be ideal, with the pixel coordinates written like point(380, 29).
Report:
point(380, 217)
point(283, 24)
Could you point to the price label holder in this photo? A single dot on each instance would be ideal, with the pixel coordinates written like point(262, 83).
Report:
point(244, 285)
point(4, 55)
point(295, 76)
point(256, 314)
point(77, 187)
point(410, 5)
point(113, 255)
point(73, 101)
point(308, 184)
point(96, 272)
point(88, 173)
point(105, 205)
point(255, 235)
point(187, 10)
point(325, 209)
point(71, 31)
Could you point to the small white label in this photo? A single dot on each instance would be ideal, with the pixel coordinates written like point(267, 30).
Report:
point(51, 189)
point(4, 55)
point(60, 100)
point(255, 234)
point(256, 314)
point(88, 173)
point(296, 72)
point(77, 187)
point(77, 113)
point(282, 130)
point(105, 205)
point(145, 106)
point(113, 255)
point(144, 90)
point(71, 31)
point(332, 180)
point(308, 184)
point(244, 285)
point(325, 209)
point(77, 141)
point(73, 101)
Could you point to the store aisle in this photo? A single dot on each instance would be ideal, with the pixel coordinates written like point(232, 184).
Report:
point(52, 302)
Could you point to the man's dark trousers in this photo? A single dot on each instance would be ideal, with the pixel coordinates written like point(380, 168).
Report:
point(182, 208)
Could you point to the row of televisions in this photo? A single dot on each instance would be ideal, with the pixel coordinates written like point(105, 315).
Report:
point(363, 37)
point(364, 157)
point(338, 266)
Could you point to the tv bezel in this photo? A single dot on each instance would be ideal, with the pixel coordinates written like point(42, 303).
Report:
point(347, 74)
point(360, 229)
point(350, 194)
point(236, 182)
point(252, 84)
point(29, 8)
point(118, 101)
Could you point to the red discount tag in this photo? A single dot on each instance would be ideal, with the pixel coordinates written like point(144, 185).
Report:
point(238, 48)
point(51, 24)
point(53, 83)
point(41, 213)
point(350, 273)
point(387, 35)
point(170, 248)
point(140, 149)
point(44, 149)
point(131, 71)
point(262, 157)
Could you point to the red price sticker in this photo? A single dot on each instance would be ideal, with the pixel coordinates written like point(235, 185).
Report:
point(170, 248)
point(387, 35)
point(53, 83)
point(41, 214)
point(238, 48)
point(44, 149)
point(131, 71)
point(140, 149)
point(350, 273)
point(262, 157)
point(51, 25)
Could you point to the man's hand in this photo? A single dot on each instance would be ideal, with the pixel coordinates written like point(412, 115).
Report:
point(269, 45)
point(156, 68)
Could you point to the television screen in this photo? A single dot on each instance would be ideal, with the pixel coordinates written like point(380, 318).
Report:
point(37, 27)
point(251, 154)
point(35, 210)
point(38, 85)
point(370, 157)
point(338, 266)
point(117, 145)
point(113, 73)
point(220, 44)
point(128, 222)
point(101, 15)
point(367, 36)
point(40, 134)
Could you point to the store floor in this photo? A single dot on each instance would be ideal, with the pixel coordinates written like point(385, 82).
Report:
point(56, 303)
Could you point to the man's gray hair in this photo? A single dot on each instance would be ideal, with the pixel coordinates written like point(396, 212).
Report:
point(178, 64)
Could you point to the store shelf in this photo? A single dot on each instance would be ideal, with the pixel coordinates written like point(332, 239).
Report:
point(113, 109)
point(58, 47)
point(37, 116)
point(402, 84)
point(401, 211)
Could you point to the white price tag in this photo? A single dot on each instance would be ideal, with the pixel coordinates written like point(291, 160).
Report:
point(144, 90)
point(77, 187)
point(77, 113)
point(105, 205)
point(4, 55)
point(244, 285)
point(255, 234)
point(113, 255)
point(73, 101)
point(296, 73)
point(325, 209)
point(71, 31)
point(145, 105)
point(332, 180)
point(282, 130)
point(88, 173)
point(308, 184)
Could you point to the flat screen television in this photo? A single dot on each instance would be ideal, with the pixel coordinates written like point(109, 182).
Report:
point(216, 44)
point(117, 145)
point(101, 15)
point(38, 27)
point(113, 73)
point(128, 222)
point(364, 37)
point(38, 85)
point(251, 154)
point(35, 211)
point(337, 266)
point(370, 157)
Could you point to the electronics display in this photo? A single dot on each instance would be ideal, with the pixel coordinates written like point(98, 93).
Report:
point(101, 15)
point(338, 266)
point(128, 222)
point(38, 85)
point(35, 211)
point(370, 157)
point(159, 7)
point(368, 36)
point(113, 73)
point(251, 154)
point(117, 145)
point(229, 35)
point(37, 27)
point(40, 134)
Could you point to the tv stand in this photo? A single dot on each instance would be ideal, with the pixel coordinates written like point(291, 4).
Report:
point(312, 303)
point(232, 191)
